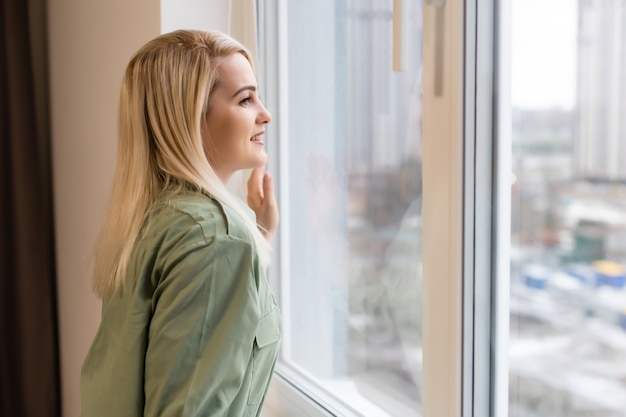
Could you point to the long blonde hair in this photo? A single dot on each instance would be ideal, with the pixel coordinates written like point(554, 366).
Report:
point(163, 103)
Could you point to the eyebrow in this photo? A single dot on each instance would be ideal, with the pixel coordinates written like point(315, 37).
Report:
point(244, 88)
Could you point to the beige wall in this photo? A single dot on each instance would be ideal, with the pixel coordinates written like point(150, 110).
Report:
point(90, 43)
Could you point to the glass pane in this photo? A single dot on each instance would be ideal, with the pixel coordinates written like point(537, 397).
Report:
point(568, 301)
point(354, 308)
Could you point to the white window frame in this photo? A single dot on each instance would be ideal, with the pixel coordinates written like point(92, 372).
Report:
point(464, 332)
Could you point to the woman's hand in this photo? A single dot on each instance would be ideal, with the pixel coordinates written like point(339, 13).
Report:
point(262, 201)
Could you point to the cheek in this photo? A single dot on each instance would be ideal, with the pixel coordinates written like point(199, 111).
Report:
point(229, 131)
point(220, 132)
point(234, 134)
point(230, 124)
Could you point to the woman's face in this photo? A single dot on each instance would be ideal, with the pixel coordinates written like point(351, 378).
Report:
point(236, 118)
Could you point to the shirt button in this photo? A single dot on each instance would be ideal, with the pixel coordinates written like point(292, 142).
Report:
point(276, 331)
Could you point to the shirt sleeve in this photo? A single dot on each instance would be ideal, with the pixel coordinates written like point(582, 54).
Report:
point(201, 336)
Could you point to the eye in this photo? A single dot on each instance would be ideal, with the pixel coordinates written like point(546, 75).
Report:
point(245, 101)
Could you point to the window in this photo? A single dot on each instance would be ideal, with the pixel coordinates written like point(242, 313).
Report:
point(568, 209)
point(351, 239)
point(511, 225)
point(344, 353)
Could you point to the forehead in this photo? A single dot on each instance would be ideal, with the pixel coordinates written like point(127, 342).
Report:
point(234, 72)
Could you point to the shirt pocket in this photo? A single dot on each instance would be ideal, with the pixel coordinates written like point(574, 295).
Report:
point(264, 354)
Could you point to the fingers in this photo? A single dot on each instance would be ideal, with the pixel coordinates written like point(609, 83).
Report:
point(269, 217)
point(268, 187)
point(262, 201)
point(256, 186)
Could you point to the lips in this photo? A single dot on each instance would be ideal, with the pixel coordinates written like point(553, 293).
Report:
point(258, 137)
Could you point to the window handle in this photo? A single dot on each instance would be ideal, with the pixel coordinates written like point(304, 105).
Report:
point(440, 25)
point(400, 47)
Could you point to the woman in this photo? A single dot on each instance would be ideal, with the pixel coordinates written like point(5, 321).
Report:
point(189, 324)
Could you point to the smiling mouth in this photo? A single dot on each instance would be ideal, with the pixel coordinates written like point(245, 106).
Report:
point(256, 138)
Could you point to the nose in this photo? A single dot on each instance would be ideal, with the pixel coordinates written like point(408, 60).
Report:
point(264, 115)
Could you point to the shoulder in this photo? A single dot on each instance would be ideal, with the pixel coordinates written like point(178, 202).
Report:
point(188, 235)
point(191, 216)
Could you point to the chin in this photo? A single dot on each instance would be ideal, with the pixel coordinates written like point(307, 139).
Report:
point(259, 161)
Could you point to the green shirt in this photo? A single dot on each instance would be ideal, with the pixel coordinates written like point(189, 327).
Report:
point(195, 331)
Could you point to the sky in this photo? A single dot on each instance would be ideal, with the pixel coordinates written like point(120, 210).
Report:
point(543, 53)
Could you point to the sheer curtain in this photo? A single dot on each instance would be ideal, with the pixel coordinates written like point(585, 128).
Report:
point(29, 375)
point(242, 19)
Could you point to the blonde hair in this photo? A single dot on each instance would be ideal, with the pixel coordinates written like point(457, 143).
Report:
point(163, 103)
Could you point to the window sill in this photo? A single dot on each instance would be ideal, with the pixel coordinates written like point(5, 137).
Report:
point(362, 395)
